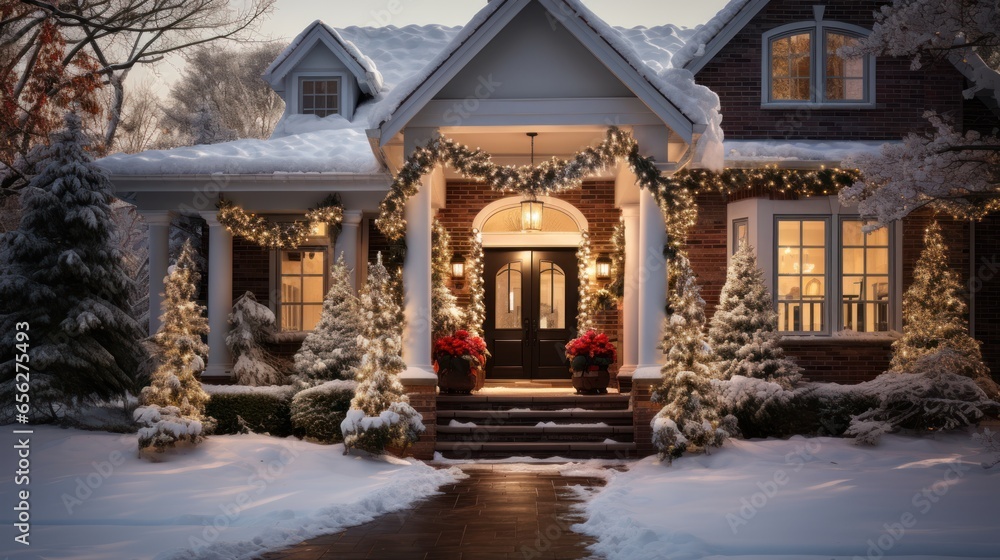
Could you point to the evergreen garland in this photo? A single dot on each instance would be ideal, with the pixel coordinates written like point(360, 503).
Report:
point(274, 235)
point(584, 308)
point(475, 315)
point(446, 317)
point(617, 284)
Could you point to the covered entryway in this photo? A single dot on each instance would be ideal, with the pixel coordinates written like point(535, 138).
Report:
point(531, 306)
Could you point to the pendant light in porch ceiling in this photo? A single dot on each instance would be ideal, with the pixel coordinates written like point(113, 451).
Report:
point(531, 207)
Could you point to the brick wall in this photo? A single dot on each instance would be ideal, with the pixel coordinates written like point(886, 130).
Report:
point(902, 95)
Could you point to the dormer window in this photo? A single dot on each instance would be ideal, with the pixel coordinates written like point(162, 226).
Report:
point(319, 96)
point(802, 66)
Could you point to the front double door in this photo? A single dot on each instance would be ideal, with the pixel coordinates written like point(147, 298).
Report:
point(531, 304)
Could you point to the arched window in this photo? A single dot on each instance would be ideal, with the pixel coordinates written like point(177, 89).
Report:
point(802, 65)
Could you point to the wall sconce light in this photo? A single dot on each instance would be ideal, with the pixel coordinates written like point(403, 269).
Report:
point(603, 267)
point(458, 269)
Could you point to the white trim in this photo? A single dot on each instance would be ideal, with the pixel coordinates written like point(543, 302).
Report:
point(722, 38)
point(531, 239)
point(294, 97)
point(817, 57)
point(318, 32)
point(509, 202)
point(525, 112)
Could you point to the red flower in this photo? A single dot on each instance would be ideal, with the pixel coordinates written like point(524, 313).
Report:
point(462, 344)
point(595, 346)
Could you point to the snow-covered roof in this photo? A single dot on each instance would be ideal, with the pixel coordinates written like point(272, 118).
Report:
point(698, 44)
point(783, 151)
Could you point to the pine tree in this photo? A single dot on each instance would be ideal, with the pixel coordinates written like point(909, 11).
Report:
point(934, 315)
point(446, 317)
point(174, 403)
point(251, 326)
point(744, 329)
point(63, 280)
point(690, 415)
point(380, 413)
point(331, 351)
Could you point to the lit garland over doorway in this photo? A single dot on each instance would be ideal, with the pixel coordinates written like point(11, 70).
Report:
point(275, 235)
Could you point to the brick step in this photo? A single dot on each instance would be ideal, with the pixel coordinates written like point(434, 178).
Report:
point(532, 417)
point(596, 434)
point(572, 450)
point(507, 402)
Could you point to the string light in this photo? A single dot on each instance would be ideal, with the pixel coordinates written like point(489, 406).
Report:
point(584, 314)
point(477, 288)
point(264, 232)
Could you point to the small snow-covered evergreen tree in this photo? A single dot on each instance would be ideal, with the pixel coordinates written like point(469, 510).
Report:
point(173, 405)
point(380, 414)
point(934, 315)
point(475, 314)
point(251, 325)
point(64, 284)
point(446, 317)
point(690, 415)
point(332, 350)
point(744, 329)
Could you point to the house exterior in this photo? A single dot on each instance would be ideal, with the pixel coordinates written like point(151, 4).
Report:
point(759, 85)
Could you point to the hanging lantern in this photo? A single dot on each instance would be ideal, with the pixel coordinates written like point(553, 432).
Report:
point(531, 214)
point(602, 268)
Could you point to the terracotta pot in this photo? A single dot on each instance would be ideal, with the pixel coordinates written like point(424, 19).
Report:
point(591, 381)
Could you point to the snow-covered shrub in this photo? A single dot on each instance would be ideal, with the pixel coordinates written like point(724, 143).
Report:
point(988, 439)
point(935, 319)
point(239, 409)
point(173, 405)
point(63, 275)
point(380, 414)
point(318, 411)
point(764, 408)
point(251, 325)
point(331, 350)
point(690, 416)
point(744, 329)
point(930, 400)
point(446, 316)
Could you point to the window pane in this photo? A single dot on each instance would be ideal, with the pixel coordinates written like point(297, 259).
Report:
point(879, 237)
point(310, 316)
point(789, 261)
point(779, 67)
point(852, 234)
point(788, 232)
point(291, 262)
point(320, 87)
point(852, 287)
point(878, 261)
point(313, 262)
point(312, 289)
point(791, 68)
point(508, 296)
point(853, 261)
point(291, 290)
point(865, 286)
point(814, 286)
point(307, 86)
point(788, 287)
point(552, 297)
point(814, 233)
point(814, 261)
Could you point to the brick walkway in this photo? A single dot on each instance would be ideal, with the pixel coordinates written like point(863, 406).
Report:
point(493, 514)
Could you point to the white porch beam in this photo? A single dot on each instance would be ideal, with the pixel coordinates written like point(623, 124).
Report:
point(347, 244)
point(652, 287)
point(630, 300)
point(158, 227)
point(220, 295)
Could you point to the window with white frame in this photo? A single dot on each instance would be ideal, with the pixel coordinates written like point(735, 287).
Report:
point(303, 274)
point(802, 64)
point(801, 262)
point(319, 96)
point(864, 267)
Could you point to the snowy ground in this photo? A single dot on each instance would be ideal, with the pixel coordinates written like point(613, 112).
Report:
point(819, 498)
point(230, 497)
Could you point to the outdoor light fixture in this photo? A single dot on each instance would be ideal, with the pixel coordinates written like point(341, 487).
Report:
point(458, 267)
point(531, 207)
point(603, 267)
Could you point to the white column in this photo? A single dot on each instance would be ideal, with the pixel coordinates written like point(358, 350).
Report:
point(652, 286)
point(630, 300)
point(417, 286)
point(220, 295)
point(347, 243)
point(158, 226)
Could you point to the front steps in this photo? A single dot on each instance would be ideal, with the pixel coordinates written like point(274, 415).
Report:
point(502, 426)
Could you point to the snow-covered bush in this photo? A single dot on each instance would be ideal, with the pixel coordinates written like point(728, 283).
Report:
point(762, 408)
point(932, 398)
point(332, 350)
point(689, 417)
point(744, 329)
point(65, 288)
point(173, 405)
point(318, 411)
point(446, 316)
point(934, 316)
point(251, 325)
point(380, 414)
point(241, 409)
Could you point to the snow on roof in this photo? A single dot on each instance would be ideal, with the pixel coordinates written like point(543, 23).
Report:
point(703, 34)
point(343, 150)
point(373, 78)
point(763, 151)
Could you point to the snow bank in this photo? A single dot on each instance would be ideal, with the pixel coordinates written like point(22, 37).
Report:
point(802, 150)
point(276, 390)
point(231, 497)
point(821, 498)
point(341, 150)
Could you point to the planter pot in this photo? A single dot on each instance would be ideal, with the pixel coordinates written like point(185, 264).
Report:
point(591, 381)
point(455, 377)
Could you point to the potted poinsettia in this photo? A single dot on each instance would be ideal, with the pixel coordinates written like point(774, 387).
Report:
point(590, 356)
point(458, 360)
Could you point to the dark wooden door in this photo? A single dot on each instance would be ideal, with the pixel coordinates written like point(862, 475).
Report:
point(531, 301)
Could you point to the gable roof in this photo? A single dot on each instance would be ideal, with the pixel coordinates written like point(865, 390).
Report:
point(369, 78)
point(710, 38)
point(674, 98)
